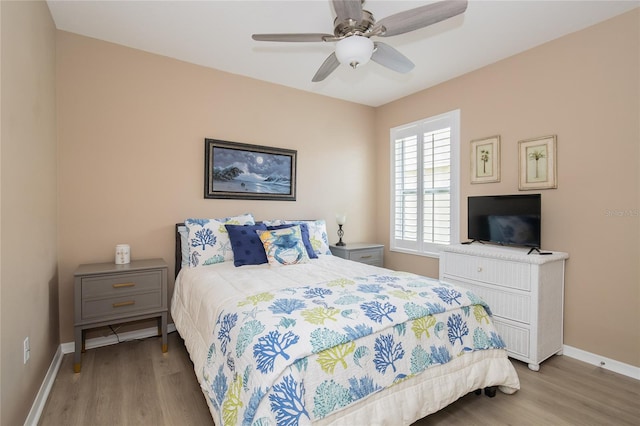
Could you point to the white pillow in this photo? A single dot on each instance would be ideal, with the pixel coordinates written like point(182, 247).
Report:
point(208, 239)
point(184, 245)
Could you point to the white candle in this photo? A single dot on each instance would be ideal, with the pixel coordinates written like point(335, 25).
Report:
point(341, 219)
point(123, 254)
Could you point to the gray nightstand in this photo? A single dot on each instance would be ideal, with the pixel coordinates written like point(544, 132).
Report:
point(371, 254)
point(106, 294)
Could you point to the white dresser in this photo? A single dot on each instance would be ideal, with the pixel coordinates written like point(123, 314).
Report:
point(524, 291)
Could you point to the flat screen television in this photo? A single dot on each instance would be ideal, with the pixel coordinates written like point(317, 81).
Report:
point(505, 219)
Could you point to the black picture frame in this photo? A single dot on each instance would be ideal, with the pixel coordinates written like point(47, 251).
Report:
point(241, 171)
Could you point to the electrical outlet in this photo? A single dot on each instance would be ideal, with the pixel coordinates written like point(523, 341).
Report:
point(27, 350)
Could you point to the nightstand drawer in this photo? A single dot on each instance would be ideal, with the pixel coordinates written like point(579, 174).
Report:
point(513, 275)
point(125, 304)
point(113, 285)
point(370, 256)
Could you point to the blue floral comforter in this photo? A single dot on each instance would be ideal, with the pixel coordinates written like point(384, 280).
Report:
point(296, 355)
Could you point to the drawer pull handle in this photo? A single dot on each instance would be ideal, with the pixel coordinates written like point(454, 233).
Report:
point(127, 303)
point(124, 285)
point(366, 257)
point(479, 268)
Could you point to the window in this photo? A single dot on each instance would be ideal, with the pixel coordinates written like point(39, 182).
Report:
point(424, 184)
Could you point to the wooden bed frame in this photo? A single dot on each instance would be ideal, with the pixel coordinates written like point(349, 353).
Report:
point(178, 253)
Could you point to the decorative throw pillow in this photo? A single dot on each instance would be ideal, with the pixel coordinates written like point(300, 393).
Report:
point(317, 235)
point(304, 231)
point(284, 246)
point(246, 244)
point(209, 241)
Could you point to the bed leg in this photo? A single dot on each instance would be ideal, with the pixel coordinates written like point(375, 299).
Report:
point(490, 391)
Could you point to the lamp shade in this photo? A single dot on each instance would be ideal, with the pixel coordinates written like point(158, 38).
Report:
point(354, 50)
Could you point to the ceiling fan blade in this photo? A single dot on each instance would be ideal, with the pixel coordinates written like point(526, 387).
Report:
point(389, 57)
point(327, 67)
point(420, 17)
point(303, 37)
point(348, 9)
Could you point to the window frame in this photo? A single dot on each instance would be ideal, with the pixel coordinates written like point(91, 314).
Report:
point(418, 128)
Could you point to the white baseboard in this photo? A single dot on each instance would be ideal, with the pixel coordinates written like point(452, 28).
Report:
point(66, 348)
point(43, 393)
point(604, 362)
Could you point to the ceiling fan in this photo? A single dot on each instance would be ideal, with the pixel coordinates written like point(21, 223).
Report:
point(354, 27)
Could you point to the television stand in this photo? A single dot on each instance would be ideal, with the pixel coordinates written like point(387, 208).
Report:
point(525, 294)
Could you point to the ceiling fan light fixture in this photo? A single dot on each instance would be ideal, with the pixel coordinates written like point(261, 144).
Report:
point(354, 50)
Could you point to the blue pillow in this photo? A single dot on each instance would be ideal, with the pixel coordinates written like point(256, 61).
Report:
point(304, 230)
point(246, 244)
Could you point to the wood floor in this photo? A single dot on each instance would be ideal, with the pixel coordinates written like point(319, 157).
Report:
point(134, 383)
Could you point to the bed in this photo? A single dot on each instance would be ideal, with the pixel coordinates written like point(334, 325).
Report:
point(325, 340)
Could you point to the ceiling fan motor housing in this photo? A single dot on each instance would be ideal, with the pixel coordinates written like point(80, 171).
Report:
point(350, 27)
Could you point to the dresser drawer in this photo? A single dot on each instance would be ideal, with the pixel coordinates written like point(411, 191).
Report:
point(492, 271)
point(504, 304)
point(516, 338)
point(125, 304)
point(369, 256)
point(114, 285)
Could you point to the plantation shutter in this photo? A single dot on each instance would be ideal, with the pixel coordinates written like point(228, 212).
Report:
point(437, 186)
point(424, 184)
point(406, 202)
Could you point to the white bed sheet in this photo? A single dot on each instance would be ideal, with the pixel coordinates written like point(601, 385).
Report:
point(200, 292)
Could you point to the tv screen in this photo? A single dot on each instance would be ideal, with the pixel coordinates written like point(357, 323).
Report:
point(505, 219)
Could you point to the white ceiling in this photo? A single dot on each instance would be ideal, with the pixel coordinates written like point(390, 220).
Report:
point(217, 34)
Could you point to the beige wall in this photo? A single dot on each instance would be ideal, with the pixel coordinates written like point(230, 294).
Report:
point(131, 129)
point(132, 124)
point(29, 305)
point(584, 88)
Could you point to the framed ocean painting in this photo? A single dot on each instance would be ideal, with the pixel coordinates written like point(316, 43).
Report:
point(241, 171)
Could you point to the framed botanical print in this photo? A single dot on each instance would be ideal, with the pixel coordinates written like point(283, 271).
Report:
point(538, 166)
point(485, 160)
